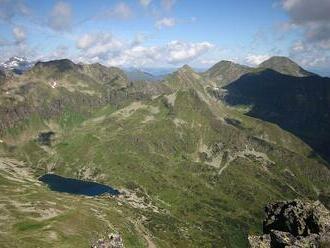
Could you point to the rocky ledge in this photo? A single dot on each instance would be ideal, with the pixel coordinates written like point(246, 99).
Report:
point(294, 224)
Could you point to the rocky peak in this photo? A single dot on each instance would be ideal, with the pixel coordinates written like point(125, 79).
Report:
point(104, 74)
point(16, 64)
point(186, 68)
point(294, 223)
point(59, 65)
point(225, 72)
point(285, 66)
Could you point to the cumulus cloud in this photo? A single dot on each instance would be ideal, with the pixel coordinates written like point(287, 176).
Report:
point(256, 59)
point(19, 34)
point(165, 23)
point(99, 45)
point(310, 56)
point(313, 16)
point(174, 52)
point(139, 39)
point(145, 3)
point(11, 8)
point(110, 50)
point(181, 52)
point(60, 18)
point(313, 50)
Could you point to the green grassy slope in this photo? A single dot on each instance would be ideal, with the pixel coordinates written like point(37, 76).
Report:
point(196, 173)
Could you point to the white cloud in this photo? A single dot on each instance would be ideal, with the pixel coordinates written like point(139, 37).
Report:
point(165, 22)
point(99, 45)
point(255, 59)
point(145, 3)
point(21, 50)
point(110, 50)
point(86, 41)
point(313, 50)
point(179, 52)
point(208, 62)
point(139, 39)
point(310, 56)
point(174, 52)
point(19, 34)
point(298, 46)
point(60, 18)
point(289, 4)
point(312, 16)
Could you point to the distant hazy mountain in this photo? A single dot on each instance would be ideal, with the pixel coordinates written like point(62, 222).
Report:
point(285, 66)
point(134, 74)
point(161, 71)
point(17, 65)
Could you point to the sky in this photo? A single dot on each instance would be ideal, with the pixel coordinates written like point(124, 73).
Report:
point(167, 33)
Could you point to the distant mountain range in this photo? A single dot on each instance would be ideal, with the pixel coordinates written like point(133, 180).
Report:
point(282, 92)
point(226, 72)
point(17, 65)
point(134, 74)
point(195, 156)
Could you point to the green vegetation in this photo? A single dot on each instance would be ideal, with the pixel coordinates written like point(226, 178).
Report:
point(196, 173)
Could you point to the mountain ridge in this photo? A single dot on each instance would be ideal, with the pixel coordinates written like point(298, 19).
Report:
point(191, 170)
point(285, 66)
point(16, 65)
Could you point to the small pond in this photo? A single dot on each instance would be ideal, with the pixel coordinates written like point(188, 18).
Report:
point(76, 186)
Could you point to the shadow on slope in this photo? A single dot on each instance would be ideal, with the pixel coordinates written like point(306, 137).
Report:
point(300, 105)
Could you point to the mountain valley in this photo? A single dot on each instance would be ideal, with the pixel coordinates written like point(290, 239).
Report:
point(194, 156)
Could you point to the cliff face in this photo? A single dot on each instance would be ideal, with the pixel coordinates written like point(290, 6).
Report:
point(294, 224)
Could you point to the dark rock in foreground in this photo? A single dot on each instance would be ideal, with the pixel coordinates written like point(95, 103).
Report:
point(294, 224)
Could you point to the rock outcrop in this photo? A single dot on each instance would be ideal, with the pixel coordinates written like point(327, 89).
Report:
point(112, 240)
point(294, 224)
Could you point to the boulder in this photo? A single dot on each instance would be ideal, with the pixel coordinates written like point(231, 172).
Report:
point(296, 217)
point(262, 241)
point(281, 239)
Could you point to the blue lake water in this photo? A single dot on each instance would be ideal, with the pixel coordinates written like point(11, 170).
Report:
point(75, 186)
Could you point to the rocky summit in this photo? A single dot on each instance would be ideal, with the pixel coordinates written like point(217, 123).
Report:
point(285, 66)
point(294, 223)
